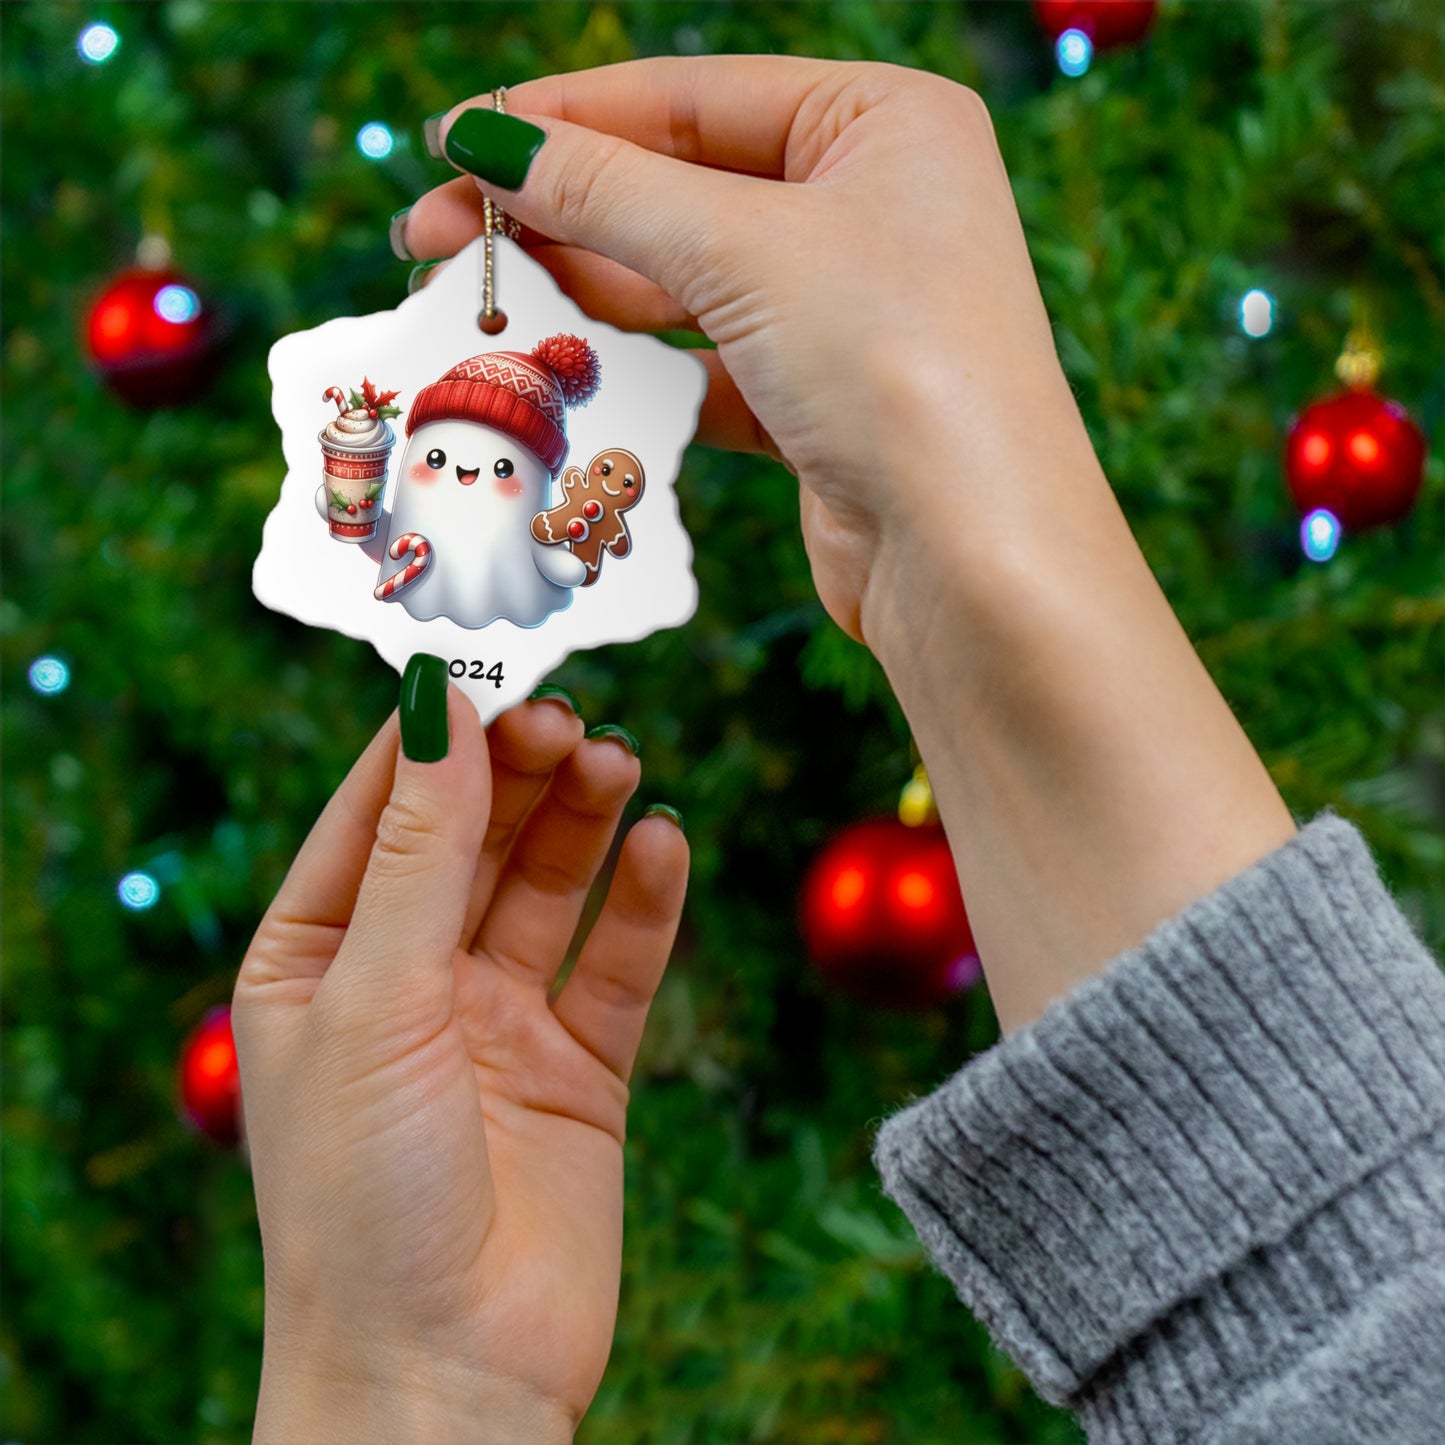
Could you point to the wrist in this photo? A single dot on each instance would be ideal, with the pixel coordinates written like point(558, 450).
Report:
point(376, 1403)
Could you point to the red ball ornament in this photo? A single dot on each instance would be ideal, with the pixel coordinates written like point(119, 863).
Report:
point(210, 1081)
point(1358, 455)
point(151, 338)
point(883, 917)
point(1107, 23)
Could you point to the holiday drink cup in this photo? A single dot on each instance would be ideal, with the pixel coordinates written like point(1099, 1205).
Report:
point(355, 452)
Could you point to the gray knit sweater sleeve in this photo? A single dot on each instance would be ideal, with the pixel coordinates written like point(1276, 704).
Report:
point(1202, 1199)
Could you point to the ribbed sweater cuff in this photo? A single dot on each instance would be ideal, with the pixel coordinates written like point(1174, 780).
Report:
point(1198, 1113)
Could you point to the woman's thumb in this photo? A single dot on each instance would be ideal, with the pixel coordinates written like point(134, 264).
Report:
point(661, 217)
point(413, 898)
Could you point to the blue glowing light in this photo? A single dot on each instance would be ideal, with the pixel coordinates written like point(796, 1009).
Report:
point(138, 891)
point(49, 675)
point(375, 141)
point(97, 43)
point(177, 304)
point(1074, 50)
point(1319, 535)
point(1256, 313)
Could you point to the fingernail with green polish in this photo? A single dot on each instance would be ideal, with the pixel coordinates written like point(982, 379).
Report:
point(664, 811)
point(549, 689)
point(612, 730)
point(417, 279)
point(431, 133)
point(396, 232)
point(424, 734)
point(498, 148)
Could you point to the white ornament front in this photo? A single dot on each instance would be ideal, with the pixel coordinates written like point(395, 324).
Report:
point(503, 502)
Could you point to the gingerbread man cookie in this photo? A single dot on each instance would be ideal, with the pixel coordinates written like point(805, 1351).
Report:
point(589, 517)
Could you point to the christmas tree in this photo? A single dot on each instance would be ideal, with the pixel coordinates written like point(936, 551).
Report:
point(168, 741)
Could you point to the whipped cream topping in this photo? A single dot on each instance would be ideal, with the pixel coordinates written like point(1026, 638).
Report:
point(356, 429)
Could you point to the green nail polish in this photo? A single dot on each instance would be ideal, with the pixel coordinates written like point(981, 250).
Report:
point(396, 233)
point(612, 730)
point(417, 278)
point(549, 689)
point(424, 734)
point(498, 148)
point(664, 811)
point(431, 133)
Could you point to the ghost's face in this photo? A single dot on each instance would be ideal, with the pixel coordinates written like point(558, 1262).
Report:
point(468, 483)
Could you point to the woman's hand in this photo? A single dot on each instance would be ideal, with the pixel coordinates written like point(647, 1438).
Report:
point(437, 1150)
point(847, 234)
point(878, 324)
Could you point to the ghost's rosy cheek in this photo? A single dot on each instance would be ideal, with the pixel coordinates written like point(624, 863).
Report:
point(509, 486)
point(420, 472)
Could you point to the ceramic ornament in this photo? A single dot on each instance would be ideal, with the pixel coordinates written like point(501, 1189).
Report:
point(498, 501)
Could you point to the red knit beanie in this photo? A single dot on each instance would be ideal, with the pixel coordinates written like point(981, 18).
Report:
point(524, 396)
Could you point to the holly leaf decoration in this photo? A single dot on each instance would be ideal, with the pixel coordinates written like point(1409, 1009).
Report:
point(368, 391)
point(338, 501)
point(386, 413)
point(356, 399)
point(374, 491)
point(387, 396)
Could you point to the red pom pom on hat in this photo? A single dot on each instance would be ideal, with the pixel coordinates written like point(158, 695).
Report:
point(575, 365)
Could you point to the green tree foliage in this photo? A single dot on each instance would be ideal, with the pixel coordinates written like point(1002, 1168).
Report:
point(771, 1293)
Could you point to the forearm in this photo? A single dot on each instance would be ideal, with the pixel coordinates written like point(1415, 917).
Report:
point(1091, 778)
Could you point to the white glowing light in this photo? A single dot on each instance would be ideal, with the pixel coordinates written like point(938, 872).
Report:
point(1319, 535)
point(1256, 313)
point(138, 891)
point(1074, 50)
point(177, 304)
point(375, 141)
point(49, 675)
point(97, 43)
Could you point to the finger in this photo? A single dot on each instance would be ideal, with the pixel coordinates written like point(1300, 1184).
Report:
point(659, 217)
point(299, 934)
point(543, 887)
point(736, 112)
point(526, 743)
point(395, 964)
point(604, 1002)
point(447, 218)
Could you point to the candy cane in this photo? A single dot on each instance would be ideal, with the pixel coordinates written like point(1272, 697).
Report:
point(335, 393)
point(407, 542)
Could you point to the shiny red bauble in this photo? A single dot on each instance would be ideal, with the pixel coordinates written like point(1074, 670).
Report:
point(152, 338)
point(883, 918)
point(1358, 455)
point(1107, 23)
point(209, 1079)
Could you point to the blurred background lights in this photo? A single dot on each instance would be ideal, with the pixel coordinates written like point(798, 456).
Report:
point(1256, 313)
point(1074, 50)
point(1320, 535)
point(177, 303)
point(138, 890)
point(97, 43)
point(49, 675)
point(374, 141)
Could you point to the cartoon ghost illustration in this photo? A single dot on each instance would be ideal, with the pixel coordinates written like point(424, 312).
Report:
point(484, 444)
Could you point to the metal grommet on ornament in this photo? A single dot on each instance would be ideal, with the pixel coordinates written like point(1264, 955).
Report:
point(491, 320)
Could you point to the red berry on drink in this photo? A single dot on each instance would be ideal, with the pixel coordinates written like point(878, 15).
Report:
point(351, 511)
point(592, 510)
point(576, 529)
point(371, 412)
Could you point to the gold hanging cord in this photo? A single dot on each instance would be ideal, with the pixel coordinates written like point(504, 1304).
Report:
point(494, 220)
